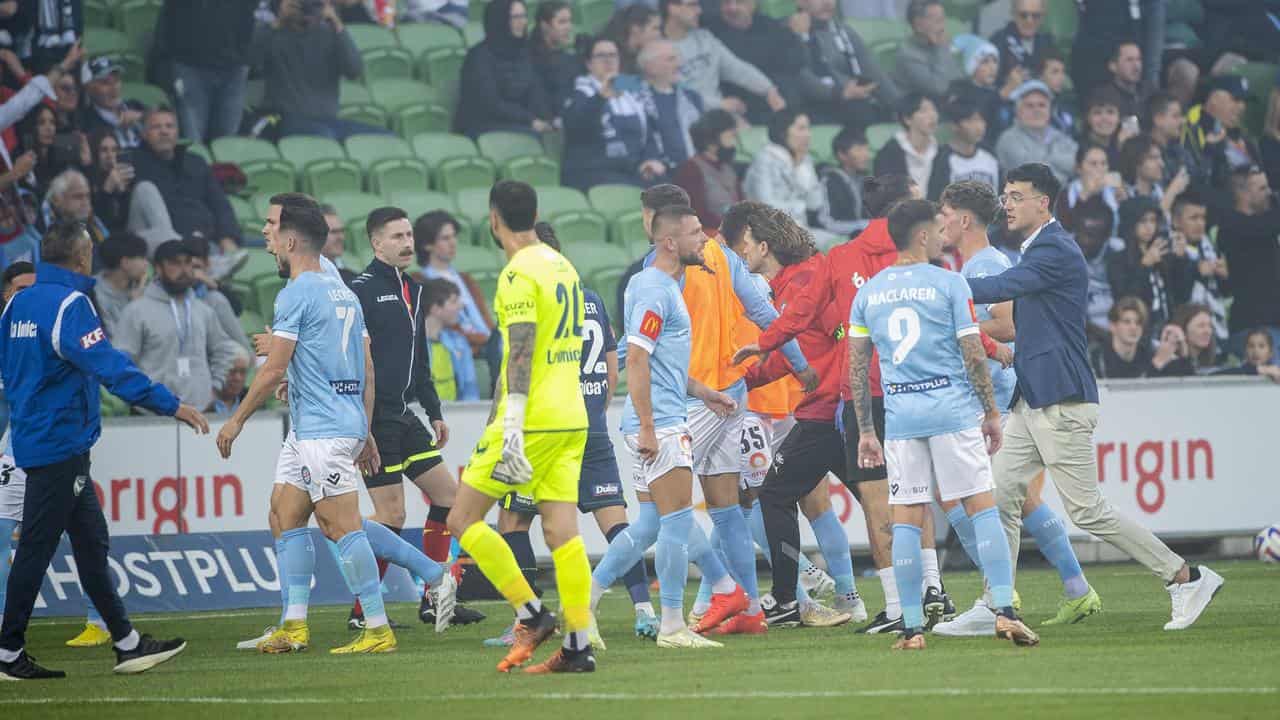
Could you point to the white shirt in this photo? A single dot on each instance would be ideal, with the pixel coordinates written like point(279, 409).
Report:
point(1027, 243)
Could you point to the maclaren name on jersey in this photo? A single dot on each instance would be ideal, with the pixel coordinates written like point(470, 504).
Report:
point(896, 295)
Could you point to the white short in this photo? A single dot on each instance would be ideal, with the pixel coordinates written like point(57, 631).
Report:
point(761, 437)
point(675, 450)
point(957, 462)
point(13, 489)
point(322, 468)
point(716, 441)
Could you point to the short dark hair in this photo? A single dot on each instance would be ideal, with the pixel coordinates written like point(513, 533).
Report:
point(1157, 104)
point(660, 196)
point(908, 105)
point(379, 217)
point(847, 138)
point(973, 196)
point(1047, 55)
point(671, 214)
point(427, 228)
point(1264, 332)
point(60, 243)
point(883, 191)
point(1105, 96)
point(307, 222)
point(781, 121)
point(706, 131)
point(788, 242)
point(546, 235)
point(295, 200)
point(1188, 197)
point(1240, 177)
point(917, 8)
point(516, 203)
point(1039, 176)
point(1115, 49)
point(439, 290)
point(328, 209)
point(1083, 150)
point(1132, 154)
point(119, 246)
point(197, 246)
point(961, 109)
point(22, 267)
point(906, 216)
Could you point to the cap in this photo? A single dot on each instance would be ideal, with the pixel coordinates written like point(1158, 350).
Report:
point(99, 68)
point(1237, 85)
point(170, 249)
point(976, 54)
point(1030, 86)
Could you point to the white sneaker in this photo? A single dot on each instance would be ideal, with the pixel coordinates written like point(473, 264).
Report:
point(978, 621)
point(853, 605)
point(253, 644)
point(445, 595)
point(817, 582)
point(1190, 599)
point(815, 614)
point(685, 638)
point(593, 634)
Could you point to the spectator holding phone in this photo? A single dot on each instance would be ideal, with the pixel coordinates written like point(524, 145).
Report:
point(1212, 287)
point(1094, 186)
point(842, 82)
point(122, 201)
point(1150, 268)
point(54, 151)
point(1171, 355)
point(1142, 168)
point(106, 108)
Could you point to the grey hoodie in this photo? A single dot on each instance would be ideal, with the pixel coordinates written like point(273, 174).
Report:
point(191, 369)
point(705, 63)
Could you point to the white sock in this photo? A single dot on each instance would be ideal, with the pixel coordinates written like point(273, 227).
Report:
point(297, 612)
point(723, 585)
point(932, 578)
point(529, 610)
point(645, 608)
point(700, 607)
point(130, 641)
point(672, 620)
point(892, 608)
point(375, 621)
point(753, 606)
point(100, 623)
point(9, 655)
point(597, 592)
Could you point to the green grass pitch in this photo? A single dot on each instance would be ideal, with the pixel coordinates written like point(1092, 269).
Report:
point(1118, 664)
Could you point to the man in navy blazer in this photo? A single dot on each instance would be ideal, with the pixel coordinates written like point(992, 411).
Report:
point(1055, 405)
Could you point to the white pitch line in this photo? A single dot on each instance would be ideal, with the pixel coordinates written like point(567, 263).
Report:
point(745, 695)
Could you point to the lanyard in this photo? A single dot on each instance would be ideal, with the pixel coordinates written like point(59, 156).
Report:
point(184, 332)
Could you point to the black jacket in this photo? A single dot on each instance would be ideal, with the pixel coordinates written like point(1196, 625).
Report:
point(1251, 245)
point(206, 33)
point(193, 196)
point(400, 373)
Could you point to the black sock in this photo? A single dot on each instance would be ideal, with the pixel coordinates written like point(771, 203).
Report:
point(523, 550)
point(1195, 573)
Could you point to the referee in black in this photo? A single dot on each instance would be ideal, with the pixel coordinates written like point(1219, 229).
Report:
point(53, 355)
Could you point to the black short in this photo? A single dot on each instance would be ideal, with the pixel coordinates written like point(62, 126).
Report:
point(806, 455)
point(599, 486)
point(850, 420)
point(519, 504)
point(407, 449)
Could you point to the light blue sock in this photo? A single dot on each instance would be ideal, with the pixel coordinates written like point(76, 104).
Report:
point(993, 549)
point(963, 526)
point(300, 565)
point(627, 547)
point(908, 573)
point(740, 551)
point(391, 547)
point(755, 520)
point(835, 548)
point(360, 570)
point(704, 556)
point(671, 558)
point(703, 600)
point(281, 576)
point(92, 616)
point(1051, 537)
point(6, 543)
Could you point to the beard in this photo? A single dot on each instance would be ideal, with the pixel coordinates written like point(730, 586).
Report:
point(692, 259)
point(175, 287)
point(494, 237)
point(282, 268)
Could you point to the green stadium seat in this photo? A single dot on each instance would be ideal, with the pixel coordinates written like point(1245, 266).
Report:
point(418, 202)
point(351, 92)
point(352, 206)
point(202, 150)
point(260, 263)
point(418, 38)
point(1061, 19)
point(243, 210)
point(357, 243)
point(502, 146)
point(778, 9)
point(477, 259)
point(589, 256)
point(367, 113)
point(236, 149)
point(261, 204)
point(96, 14)
point(251, 322)
point(612, 201)
point(369, 37)
point(628, 231)
point(462, 173)
point(395, 93)
point(149, 95)
point(886, 53)
point(239, 286)
point(473, 204)
point(99, 41)
point(965, 11)
point(418, 118)
point(585, 230)
point(878, 30)
point(436, 147)
point(367, 149)
point(255, 94)
point(592, 15)
point(553, 144)
point(537, 170)
point(401, 173)
point(605, 282)
point(261, 162)
point(303, 149)
point(473, 33)
point(880, 134)
point(751, 141)
point(553, 200)
point(820, 142)
point(132, 67)
point(387, 62)
point(321, 177)
point(137, 19)
point(442, 67)
point(265, 288)
point(355, 262)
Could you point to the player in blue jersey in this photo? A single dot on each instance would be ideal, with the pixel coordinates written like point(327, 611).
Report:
point(319, 340)
point(941, 417)
point(968, 208)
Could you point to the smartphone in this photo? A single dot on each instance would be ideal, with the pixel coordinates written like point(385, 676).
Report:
point(1130, 125)
point(124, 156)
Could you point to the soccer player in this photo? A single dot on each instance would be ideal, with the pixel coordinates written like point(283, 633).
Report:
point(654, 421)
point(394, 313)
point(941, 419)
point(319, 339)
point(536, 436)
point(967, 208)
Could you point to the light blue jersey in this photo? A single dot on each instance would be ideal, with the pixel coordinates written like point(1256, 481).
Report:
point(915, 315)
point(655, 318)
point(985, 263)
point(326, 374)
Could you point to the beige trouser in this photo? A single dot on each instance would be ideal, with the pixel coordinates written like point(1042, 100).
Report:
point(1059, 438)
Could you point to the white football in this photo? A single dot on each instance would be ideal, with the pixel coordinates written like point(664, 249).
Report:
point(1266, 544)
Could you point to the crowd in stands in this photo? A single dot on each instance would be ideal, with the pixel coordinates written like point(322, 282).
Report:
point(1160, 117)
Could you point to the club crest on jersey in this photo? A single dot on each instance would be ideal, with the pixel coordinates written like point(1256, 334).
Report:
point(305, 474)
point(650, 325)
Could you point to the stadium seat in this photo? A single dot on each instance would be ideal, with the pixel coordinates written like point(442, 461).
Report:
point(778, 9)
point(261, 203)
point(367, 149)
point(820, 142)
point(366, 113)
point(265, 288)
point(261, 162)
point(587, 232)
point(200, 149)
point(137, 19)
point(473, 204)
point(886, 52)
point(588, 256)
point(751, 141)
point(628, 231)
point(351, 92)
point(148, 95)
point(436, 147)
point(473, 33)
point(238, 285)
point(442, 67)
point(356, 262)
point(552, 200)
point(369, 37)
point(461, 173)
point(612, 201)
point(592, 15)
point(880, 134)
point(1061, 19)
point(418, 38)
point(352, 206)
point(400, 173)
point(303, 149)
point(394, 93)
point(537, 170)
point(255, 94)
point(243, 210)
point(417, 203)
point(321, 177)
point(553, 144)
point(260, 263)
point(877, 30)
point(418, 118)
point(477, 258)
point(502, 146)
point(100, 41)
point(96, 14)
point(965, 11)
point(605, 282)
point(387, 62)
point(357, 243)
point(251, 322)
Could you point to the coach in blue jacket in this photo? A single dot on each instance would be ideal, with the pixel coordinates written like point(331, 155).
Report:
point(1055, 405)
point(53, 355)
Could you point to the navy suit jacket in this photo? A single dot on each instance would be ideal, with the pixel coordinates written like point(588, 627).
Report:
point(1049, 289)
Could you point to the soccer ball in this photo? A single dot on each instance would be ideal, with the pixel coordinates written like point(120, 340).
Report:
point(1266, 544)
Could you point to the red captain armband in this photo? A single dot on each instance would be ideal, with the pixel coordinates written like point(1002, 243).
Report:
point(988, 344)
point(651, 325)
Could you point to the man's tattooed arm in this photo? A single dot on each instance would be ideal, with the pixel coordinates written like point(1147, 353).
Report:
point(520, 336)
point(859, 361)
point(975, 363)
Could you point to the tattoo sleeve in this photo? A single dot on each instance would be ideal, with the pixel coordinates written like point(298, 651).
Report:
point(859, 361)
point(520, 356)
point(975, 363)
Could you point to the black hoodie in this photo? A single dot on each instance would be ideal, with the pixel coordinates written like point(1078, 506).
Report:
point(499, 89)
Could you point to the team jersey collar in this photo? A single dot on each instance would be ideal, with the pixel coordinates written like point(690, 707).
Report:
point(382, 268)
point(47, 273)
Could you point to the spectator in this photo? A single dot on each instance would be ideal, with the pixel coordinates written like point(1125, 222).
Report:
point(551, 52)
point(709, 176)
point(1149, 268)
point(1172, 356)
point(105, 108)
point(607, 134)
point(842, 82)
point(1269, 143)
point(1125, 67)
point(671, 107)
point(1211, 287)
point(54, 152)
point(174, 337)
point(1031, 138)
point(122, 279)
point(631, 28)
point(436, 235)
point(1182, 79)
point(1142, 168)
point(1196, 322)
point(978, 89)
point(43, 32)
point(226, 399)
point(1259, 357)
point(499, 89)
point(913, 148)
point(1127, 354)
point(782, 173)
point(925, 63)
point(763, 42)
point(1052, 71)
point(70, 198)
point(444, 306)
point(207, 45)
point(302, 56)
point(1164, 122)
point(195, 200)
point(1105, 25)
point(1102, 124)
point(1094, 230)
point(845, 210)
point(67, 104)
point(1247, 238)
point(1094, 186)
point(706, 63)
point(1022, 42)
point(1213, 133)
point(207, 289)
point(963, 157)
point(122, 203)
point(335, 244)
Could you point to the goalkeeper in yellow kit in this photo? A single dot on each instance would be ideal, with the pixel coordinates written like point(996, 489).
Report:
point(535, 437)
